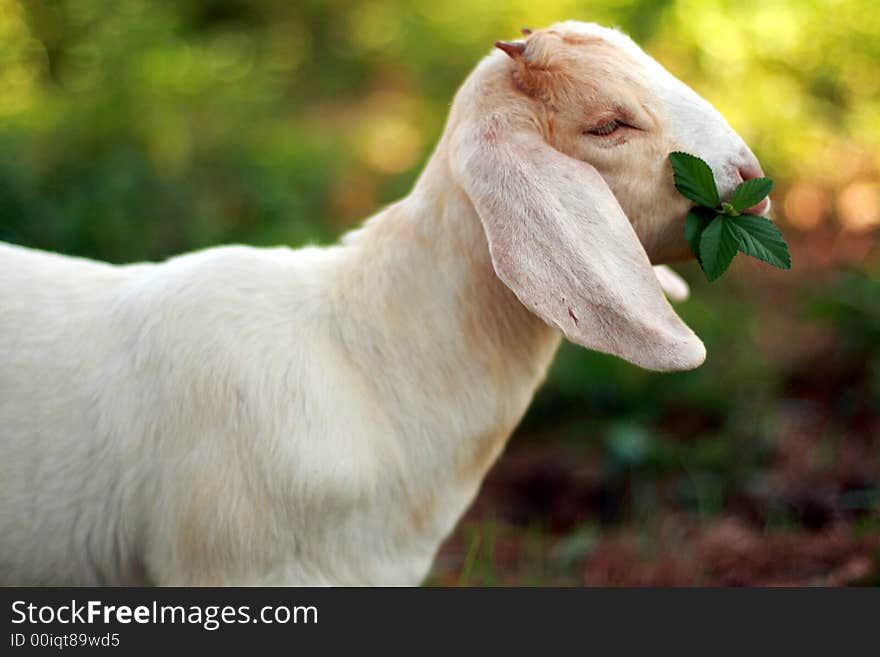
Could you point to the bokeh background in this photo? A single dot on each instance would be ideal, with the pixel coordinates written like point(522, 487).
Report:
point(139, 129)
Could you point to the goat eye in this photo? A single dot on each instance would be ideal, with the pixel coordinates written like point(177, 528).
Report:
point(606, 128)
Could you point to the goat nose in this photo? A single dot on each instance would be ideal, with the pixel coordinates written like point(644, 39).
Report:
point(747, 172)
point(750, 170)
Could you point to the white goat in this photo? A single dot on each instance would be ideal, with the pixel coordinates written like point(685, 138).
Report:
point(325, 415)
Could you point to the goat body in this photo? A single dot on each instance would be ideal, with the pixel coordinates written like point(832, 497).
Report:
point(258, 416)
point(242, 416)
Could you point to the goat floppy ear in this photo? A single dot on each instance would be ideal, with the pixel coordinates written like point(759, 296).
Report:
point(561, 242)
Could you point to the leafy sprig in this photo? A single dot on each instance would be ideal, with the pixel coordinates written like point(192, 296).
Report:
point(716, 230)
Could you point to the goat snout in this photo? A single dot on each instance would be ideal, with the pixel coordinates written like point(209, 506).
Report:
point(745, 167)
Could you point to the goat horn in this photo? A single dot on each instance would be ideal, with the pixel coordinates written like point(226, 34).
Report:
point(514, 49)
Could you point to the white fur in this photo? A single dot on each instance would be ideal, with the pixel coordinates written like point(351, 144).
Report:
point(322, 415)
point(675, 287)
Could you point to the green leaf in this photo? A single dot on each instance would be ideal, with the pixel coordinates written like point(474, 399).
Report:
point(694, 225)
point(718, 245)
point(760, 238)
point(693, 178)
point(750, 192)
point(716, 234)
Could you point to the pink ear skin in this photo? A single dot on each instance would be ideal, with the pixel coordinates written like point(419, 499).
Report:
point(560, 241)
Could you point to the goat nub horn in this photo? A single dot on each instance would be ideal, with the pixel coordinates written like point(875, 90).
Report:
point(514, 49)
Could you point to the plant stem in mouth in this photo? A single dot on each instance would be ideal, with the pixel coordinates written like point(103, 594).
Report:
point(729, 210)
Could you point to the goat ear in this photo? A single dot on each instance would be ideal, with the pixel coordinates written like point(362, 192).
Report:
point(561, 242)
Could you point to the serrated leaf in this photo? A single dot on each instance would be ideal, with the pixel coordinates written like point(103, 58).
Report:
point(760, 238)
point(718, 245)
point(750, 192)
point(694, 225)
point(693, 178)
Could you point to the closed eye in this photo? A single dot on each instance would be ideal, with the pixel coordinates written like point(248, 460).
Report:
point(607, 128)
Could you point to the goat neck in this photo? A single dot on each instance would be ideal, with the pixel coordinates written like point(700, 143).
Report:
point(451, 353)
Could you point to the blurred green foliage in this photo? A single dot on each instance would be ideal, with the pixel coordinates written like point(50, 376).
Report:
point(139, 129)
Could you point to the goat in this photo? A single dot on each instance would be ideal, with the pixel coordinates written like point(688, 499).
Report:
point(323, 416)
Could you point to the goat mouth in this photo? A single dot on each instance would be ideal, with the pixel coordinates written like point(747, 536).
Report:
point(761, 208)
